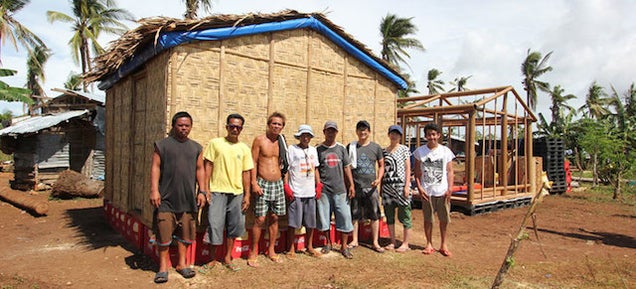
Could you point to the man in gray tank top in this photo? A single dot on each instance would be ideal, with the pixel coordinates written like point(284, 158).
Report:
point(177, 167)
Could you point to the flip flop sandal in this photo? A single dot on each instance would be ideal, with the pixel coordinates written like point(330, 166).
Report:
point(428, 251)
point(378, 249)
point(187, 273)
point(276, 259)
point(325, 250)
point(347, 253)
point(231, 267)
point(390, 247)
point(445, 253)
point(252, 263)
point(314, 254)
point(402, 249)
point(161, 277)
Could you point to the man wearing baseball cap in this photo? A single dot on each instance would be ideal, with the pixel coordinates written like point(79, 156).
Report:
point(334, 167)
point(365, 154)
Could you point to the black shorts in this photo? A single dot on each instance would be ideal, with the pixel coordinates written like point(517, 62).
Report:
point(365, 205)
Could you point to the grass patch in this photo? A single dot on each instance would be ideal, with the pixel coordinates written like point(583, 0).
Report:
point(5, 157)
point(604, 193)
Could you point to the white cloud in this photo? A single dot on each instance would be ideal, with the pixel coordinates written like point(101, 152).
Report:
point(591, 40)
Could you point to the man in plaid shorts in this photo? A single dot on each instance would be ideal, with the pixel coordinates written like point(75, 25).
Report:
point(267, 186)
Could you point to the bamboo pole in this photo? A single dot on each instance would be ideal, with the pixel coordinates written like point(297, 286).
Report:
point(521, 234)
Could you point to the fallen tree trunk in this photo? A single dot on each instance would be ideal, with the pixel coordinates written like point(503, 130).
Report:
point(72, 184)
point(24, 201)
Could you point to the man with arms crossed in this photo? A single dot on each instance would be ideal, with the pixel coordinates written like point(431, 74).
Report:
point(177, 167)
point(267, 186)
point(227, 175)
point(434, 177)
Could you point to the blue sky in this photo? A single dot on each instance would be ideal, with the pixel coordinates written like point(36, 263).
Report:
point(591, 40)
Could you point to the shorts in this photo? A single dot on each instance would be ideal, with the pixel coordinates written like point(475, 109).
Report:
point(302, 212)
point(182, 225)
point(366, 204)
point(273, 198)
point(403, 213)
point(337, 204)
point(225, 213)
point(437, 205)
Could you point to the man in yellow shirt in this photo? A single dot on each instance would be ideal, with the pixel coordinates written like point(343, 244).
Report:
point(227, 164)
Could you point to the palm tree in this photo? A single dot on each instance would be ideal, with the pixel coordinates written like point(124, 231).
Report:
point(532, 68)
point(74, 81)
point(410, 89)
point(89, 19)
point(12, 29)
point(596, 102)
point(559, 104)
point(192, 6)
point(35, 75)
point(434, 85)
point(9, 93)
point(459, 84)
point(395, 40)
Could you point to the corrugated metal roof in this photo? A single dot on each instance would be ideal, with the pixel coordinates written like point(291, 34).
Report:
point(39, 122)
point(95, 97)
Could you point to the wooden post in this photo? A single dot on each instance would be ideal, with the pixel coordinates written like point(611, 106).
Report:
point(470, 157)
point(503, 175)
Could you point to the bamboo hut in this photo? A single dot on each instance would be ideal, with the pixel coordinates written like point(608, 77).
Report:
point(299, 64)
point(493, 171)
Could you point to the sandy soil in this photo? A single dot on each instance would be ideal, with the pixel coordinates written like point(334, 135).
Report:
point(589, 242)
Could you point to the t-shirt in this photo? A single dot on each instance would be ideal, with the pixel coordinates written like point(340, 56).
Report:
point(433, 166)
point(302, 168)
point(394, 177)
point(230, 160)
point(332, 162)
point(178, 174)
point(367, 156)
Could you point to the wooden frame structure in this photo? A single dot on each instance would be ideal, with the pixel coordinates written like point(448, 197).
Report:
point(492, 171)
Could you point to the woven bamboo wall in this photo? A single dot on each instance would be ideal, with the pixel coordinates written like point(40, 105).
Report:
point(299, 73)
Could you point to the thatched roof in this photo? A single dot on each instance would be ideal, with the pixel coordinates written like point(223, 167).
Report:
point(132, 42)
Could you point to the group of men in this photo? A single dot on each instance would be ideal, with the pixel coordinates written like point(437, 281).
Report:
point(306, 183)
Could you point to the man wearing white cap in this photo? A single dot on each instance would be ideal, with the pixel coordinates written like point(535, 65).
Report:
point(302, 188)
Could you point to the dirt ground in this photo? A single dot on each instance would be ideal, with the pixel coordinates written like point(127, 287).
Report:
point(589, 242)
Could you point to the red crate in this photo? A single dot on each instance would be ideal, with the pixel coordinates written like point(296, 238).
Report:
point(299, 239)
point(263, 244)
point(134, 231)
point(242, 247)
point(320, 240)
point(364, 230)
point(203, 255)
point(150, 249)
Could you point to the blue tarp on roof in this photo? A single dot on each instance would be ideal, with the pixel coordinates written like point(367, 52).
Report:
point(39, 122)
point(174, 38)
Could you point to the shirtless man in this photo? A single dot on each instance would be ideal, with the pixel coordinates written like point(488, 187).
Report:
point(267, 187)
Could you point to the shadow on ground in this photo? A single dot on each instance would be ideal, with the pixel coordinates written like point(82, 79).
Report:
point(606, 238)
point(94, 232)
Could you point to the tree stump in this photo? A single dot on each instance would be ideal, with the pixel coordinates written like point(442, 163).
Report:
point(72, 184)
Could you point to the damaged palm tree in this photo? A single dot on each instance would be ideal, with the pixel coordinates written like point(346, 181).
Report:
point(521, 234)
